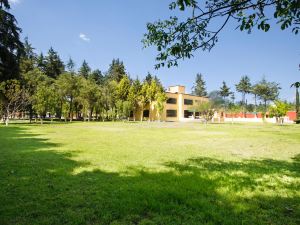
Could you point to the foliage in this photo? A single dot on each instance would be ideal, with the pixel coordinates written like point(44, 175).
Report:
point(53, 64)
point(11, 48)
point(297, 104)
point(267, 91)
point(84, 70)
point(216, 98)
point(177, 38)
point(206, 109)
point(45, 99)
point(116, 70)
point(161, 99)
point(279, 110)
point(244, 87)
point(199, 87)
point(14, 98)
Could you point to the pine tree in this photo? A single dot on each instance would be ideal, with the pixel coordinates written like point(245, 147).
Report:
point(116, 70)
point(84, 70)
point(199, 87)
point(11, 48)
point(53, 64)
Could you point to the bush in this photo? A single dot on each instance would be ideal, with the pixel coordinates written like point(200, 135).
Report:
point(297, 121)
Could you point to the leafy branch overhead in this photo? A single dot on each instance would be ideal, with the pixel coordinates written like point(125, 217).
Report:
point(177, 38)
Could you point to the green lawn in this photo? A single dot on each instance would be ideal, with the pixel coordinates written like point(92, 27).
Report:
point(149, 173)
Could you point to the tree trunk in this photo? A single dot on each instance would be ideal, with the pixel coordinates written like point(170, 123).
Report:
point(6, 121)
point(244, 111)
point(142, 114)
point(30, 113)
point(297, 104)
point(71, 109)
point(255, 106)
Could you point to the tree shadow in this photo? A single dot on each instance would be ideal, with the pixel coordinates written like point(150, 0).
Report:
point(38, 186)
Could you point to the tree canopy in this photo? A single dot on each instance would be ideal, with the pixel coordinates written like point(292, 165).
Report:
point(177, 38)
point(199, 87)
point(11, 48)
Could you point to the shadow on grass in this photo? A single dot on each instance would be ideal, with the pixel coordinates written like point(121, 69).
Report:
point(38, 187)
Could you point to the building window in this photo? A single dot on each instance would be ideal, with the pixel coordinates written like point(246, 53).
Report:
point(171, 113)
point(171, 100)
point(188, 101)
point(146, 113)
point(188, 114)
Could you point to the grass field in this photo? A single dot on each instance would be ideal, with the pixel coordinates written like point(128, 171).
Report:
point(149, 173)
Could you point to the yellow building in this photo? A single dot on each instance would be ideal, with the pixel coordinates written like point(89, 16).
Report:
point(178, 107)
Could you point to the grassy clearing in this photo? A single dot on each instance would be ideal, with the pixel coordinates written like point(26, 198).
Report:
point(149, 173)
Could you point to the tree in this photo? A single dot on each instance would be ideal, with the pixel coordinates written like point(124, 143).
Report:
point(84, 70)
point(244, 87)
point(71, 65)
point(45, 99)
point(267, 91)
point(224, 92)
point(31, 80)
point(297, 86)
point(123, 88)
point(41, 62)
point(177, 38)
point(255, 91)
point(199, 88)
point(11, 48)
point(216, 98)
point(133, 95)
point(161, 99)
point(206, 109)
point(97, 76)
point(53, 64)
point(14, 98)
point(88, 95)
point(68, 88)
point(279, 110)
point(116, 70)
point(143, 97)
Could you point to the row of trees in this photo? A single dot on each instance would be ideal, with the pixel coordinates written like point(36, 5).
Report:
point(46, 85)
point(263, 90)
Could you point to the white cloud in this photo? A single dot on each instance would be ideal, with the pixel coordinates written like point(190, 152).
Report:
point(14, 2)
point(84, 37)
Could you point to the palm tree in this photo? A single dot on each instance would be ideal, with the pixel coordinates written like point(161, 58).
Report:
point(244, 87)
point(297, 86)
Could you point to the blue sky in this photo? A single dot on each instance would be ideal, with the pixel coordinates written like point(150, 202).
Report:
point(99, 31)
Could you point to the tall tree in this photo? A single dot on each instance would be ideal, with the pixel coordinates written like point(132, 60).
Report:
point(71, 65)
point(97, 76)
point(244, 87)
point(267, 91)
point(68, 89)
point(11, 48)
point(45, 99)
point(123, 89)
point(179, 37)
point(53, 64)
point(84, 70)
point(297, 86)
point(116, 70)
point(133, 96)
point(199, 87)
point(255, 91)
point(41, 62)
point(224, 91)
point(13, 98)
point(28, 59)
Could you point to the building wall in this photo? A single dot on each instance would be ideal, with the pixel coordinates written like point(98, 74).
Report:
point(177, 92)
